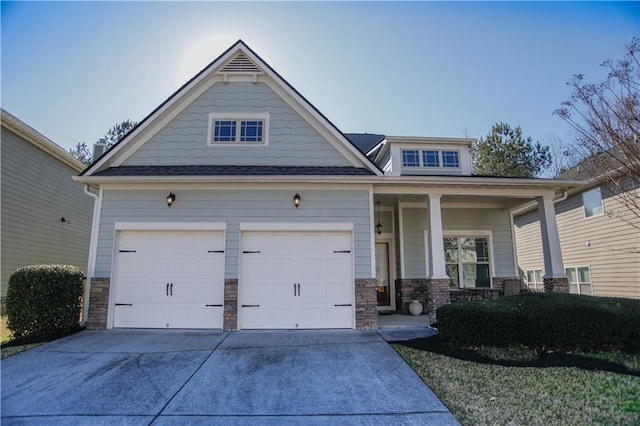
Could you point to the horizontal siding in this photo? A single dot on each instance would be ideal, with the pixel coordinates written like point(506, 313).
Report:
point(607, 244)
point(37, 191)
point(292, 141)
point(414, 221)
point(234, 207)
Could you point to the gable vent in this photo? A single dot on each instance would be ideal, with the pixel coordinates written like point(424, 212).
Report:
point(240, 63)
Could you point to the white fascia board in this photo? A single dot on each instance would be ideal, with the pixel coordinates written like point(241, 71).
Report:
point(430, 140)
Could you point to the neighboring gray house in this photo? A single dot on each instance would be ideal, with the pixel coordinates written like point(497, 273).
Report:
point(599, 237)
point(236, 204)
point(46, 216)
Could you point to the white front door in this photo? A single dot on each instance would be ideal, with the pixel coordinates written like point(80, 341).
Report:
point(169, 279)
point(296, 280)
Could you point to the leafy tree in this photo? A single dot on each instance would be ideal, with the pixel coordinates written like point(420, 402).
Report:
point(606, 120)
point(117, 132)
point(82, 153)
point(505, 152)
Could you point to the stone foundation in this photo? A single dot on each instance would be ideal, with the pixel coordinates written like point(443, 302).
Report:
point(230, 321)
point(556, 285)
point(366, 304)
point(98, 304)
point(473, 294)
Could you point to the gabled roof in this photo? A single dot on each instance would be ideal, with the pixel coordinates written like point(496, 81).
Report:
point(40, 141)
point(238, 59)
point(364, 141)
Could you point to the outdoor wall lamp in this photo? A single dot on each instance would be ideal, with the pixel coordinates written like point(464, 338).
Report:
point(296, 200)
point(171, 198)
point(379, 225)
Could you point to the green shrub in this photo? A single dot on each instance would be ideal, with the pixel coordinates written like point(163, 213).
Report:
point(545, 321)
point(44, 300)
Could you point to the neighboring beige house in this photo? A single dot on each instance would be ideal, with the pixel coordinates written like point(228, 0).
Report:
point(46, 216)
point(599, 239)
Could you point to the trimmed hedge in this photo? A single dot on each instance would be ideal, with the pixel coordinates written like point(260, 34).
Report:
point(545, 322)
point(44, 300)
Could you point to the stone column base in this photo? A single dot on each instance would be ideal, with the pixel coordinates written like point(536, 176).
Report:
point(556, 285)
point(366, 304)
point(230, 321)
point(438, 295)
point(408, 289)
point(98, 304)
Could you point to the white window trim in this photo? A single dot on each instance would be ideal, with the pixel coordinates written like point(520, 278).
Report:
point(578, 277)
point(238, 117)
point(536, 285)
point(584, 207)
point(467, 234)
point(421, 165)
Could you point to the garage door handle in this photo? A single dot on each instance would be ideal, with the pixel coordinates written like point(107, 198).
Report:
point(213, 306)
point(342, 251)
point(171, 289)
point(250, 306)
point(343, 304)
point(124, 304)
point(250, 251)
point(126, 251)
point(167, 289)
point(215, 251)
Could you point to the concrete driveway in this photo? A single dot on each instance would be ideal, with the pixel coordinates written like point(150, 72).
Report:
point(167, 377)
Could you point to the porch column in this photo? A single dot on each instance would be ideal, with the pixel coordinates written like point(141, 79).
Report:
point(438, 280)
point(437, 268)
point(555, 278)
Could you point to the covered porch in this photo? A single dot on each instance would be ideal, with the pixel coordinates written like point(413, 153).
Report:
point(454, 240)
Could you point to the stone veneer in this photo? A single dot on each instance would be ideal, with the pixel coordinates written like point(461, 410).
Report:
point(230, 304)
point(438, 295)
point(366, 304)
point(98, 304)
point(556, 285)
point(408, 289)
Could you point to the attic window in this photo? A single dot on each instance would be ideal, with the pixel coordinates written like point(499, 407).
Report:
point(238, 129)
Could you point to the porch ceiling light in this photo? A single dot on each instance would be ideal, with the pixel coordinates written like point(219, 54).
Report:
point(171, 198)
point(296, 200)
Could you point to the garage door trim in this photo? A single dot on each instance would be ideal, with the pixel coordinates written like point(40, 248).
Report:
point(151, 226)
point(297, 227)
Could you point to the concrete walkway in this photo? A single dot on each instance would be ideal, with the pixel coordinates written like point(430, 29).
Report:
point(167, 377)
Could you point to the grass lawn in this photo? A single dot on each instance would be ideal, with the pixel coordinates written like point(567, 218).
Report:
point(5, 337)
point(490, 386)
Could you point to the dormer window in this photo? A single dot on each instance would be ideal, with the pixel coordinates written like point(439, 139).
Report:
point(238, 129)
point(429, 158)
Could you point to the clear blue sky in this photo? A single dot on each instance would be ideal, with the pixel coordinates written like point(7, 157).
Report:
point(73, 69)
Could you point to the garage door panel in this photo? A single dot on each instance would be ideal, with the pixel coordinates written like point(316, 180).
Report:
point(154, 316)
point(297, 278)
point(168, 277)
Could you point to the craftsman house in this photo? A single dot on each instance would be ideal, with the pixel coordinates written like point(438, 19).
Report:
point(236, 204)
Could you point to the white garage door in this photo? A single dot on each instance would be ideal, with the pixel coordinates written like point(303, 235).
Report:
point(169, 279)
point(296, 280)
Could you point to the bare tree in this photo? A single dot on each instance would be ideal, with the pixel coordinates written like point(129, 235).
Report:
point(606, 121)
point(564, 154)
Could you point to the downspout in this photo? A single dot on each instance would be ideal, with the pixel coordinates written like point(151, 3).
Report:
point(92, 250)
